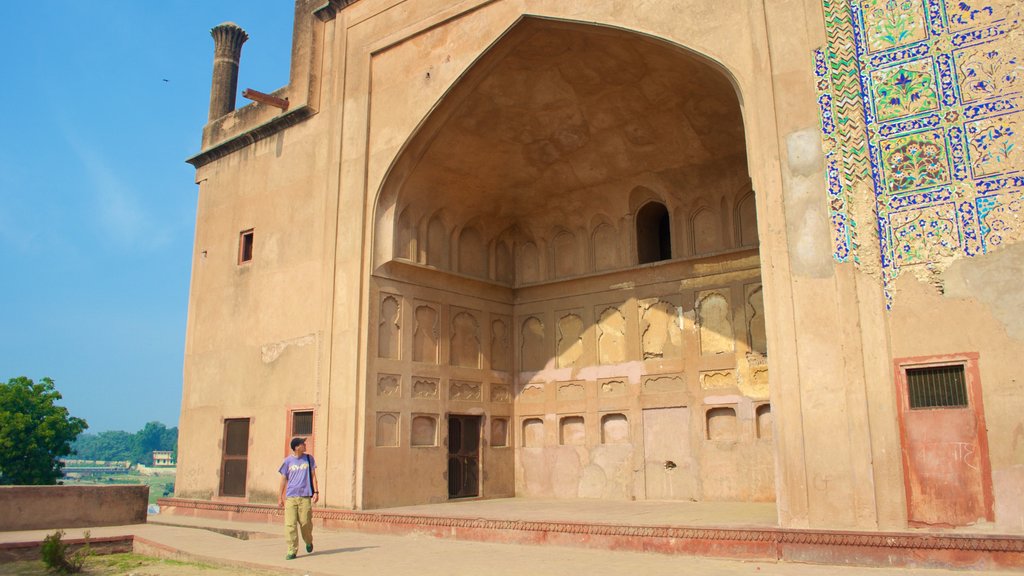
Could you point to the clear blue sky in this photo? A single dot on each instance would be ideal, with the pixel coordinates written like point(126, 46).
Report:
point(97, 206)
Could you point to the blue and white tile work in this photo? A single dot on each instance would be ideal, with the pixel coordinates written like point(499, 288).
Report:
point(921, 103)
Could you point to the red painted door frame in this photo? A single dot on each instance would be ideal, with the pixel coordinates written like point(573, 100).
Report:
point(975, 456)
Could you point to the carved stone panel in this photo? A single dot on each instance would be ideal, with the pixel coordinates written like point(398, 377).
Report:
point(472, 254)
point(387, 430)
point(534, 353)
point(571, 391)
point(611, 387)
point(717, 379)
point(611, 336)
point(528, 263)
point(501, 393)
point(570, 340)
point(533, 433)
point(532, 393)
point(565, 255)
point(504, 265)
point(722, 424)
point(499, 432)
point(500, 347)
point(465, 342)
point(707, 232)
point(661, 333)
point(425, 388)
point(437, 244)
point(662, 384)
point(614, 429)
point(758, 340)
point(469, 391)
point(606, 248)
point(572, 431)
point(389, 386)
point(426, 335)
point(424, 430)
point(716, 335)
point(389, 331)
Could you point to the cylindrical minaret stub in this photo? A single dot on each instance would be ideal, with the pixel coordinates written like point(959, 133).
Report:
point(228, 39)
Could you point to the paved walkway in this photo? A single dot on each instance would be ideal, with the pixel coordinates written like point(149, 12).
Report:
point(350, 553)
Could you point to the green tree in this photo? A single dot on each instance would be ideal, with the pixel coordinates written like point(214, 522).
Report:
point(112, 445)
point(34, 432)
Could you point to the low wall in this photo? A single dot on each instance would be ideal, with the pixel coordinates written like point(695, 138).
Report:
point(46, 507)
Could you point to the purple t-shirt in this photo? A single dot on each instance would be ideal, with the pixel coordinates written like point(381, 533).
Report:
point(296, 470)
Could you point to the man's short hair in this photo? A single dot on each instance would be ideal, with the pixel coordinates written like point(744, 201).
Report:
point(296, 442)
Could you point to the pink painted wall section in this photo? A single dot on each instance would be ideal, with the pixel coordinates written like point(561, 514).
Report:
point(46, 507)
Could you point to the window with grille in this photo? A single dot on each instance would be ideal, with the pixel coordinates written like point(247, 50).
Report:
point(236, 457)
point(937, 387)
point(302, 423)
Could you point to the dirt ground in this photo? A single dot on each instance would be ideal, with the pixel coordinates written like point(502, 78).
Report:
point(131, 565)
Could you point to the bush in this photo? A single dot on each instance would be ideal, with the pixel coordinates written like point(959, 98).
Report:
point(57, 558)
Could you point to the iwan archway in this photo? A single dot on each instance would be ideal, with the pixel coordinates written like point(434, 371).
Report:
point(568, 249)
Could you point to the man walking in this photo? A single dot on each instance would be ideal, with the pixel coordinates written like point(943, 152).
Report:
point(298, 492)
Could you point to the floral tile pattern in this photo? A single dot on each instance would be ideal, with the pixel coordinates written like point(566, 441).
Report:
point(925, 234)
point(894, 23)
point(964, 14)
point(904, 90)
point(922, 102)
point(915, 161)
point(1002, 218)
point(989, 70)
point(996, 144)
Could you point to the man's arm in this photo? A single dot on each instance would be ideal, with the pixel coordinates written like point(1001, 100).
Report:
point(316, 489)
point(280, 493)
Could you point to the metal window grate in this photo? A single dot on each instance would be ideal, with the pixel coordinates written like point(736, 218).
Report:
point(937, 387)
point(302, 423)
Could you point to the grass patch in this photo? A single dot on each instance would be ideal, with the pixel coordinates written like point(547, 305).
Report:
point(125, 564)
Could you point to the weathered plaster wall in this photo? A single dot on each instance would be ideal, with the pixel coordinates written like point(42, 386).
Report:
point(255, 337)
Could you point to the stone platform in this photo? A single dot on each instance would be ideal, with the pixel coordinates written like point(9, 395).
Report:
point(721, 530)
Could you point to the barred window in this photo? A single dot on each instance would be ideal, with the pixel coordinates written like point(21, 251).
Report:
point(937, 387)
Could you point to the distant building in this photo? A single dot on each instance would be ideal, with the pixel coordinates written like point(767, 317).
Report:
point(163, 458)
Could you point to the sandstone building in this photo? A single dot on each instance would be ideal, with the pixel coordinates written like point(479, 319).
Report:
point(687, 250)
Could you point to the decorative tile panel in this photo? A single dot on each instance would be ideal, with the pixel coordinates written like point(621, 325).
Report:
point(923, 235)
point(904, 90)
point(921, 101)
point(915, 161)
point(1002, 218)
point(995, 145)
point(988, 70)
point(964, 14)
point(893, 23)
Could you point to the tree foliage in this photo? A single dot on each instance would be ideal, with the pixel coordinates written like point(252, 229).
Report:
point(34, 432)
point(117, 445)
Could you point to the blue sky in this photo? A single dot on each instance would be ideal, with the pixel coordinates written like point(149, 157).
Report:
point(97, 206)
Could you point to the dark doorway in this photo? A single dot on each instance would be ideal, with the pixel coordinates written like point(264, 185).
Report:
point(463, 456)
point(653, 234)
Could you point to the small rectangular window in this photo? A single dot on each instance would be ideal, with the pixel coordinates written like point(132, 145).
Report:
point(302, 423)
point(245, 246)
point(937, 387)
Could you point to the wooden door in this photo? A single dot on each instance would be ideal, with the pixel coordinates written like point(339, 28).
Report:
point(669, 472)
point(945, 450)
